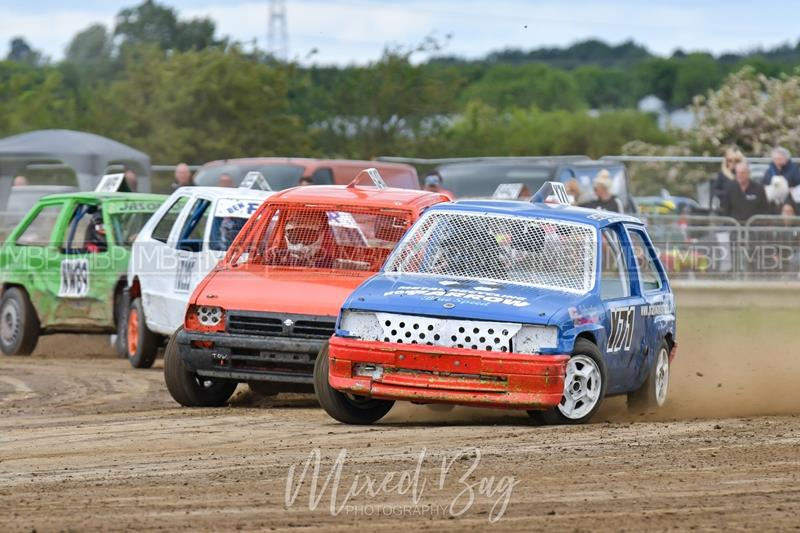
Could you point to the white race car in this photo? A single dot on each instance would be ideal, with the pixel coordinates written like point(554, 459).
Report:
point(173, 252)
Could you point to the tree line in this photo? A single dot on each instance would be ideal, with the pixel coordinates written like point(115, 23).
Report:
point(174, 88)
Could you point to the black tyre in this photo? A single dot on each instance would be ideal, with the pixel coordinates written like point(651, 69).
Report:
point(263, 388)
point(347, 408)
point(121, 314)
point(141, 343)
point(653, 392)
point(189, 389)
point(584, 387)
point(19, 324)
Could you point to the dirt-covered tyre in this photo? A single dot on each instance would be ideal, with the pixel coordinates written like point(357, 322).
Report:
point(19, 324)
point(121, 314)
point(141, 343)
point(347, 408)
point(653, 392)
point(189, 389)
point(584, 387)
point(263, 388)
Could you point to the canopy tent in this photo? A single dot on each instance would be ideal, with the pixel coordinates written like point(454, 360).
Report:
point(88, 154)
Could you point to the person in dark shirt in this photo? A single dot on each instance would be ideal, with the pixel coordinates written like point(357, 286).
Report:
point(743, 197)
point(733, 156)
point(605, 201)
point(782, 165)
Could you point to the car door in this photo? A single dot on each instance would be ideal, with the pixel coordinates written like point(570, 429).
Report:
point(86, 277)
point(156, 260)
point(31, 257)
point(191, 255)
point(657, 311)
point(621, 300)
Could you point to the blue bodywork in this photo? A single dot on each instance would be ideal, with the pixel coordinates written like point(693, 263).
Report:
point(638, 322)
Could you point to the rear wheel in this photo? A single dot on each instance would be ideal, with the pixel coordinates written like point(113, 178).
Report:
point(189, 389)
point(142, 344)
point(347, 408)
point(19, 325)
point(584, 387)
point(653, 392)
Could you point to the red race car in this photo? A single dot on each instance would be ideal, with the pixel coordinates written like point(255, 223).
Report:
point(270, 306)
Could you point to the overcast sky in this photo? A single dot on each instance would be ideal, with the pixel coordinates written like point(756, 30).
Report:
point(356, 31)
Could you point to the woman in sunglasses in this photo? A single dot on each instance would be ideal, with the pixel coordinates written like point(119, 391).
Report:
point(726, 174)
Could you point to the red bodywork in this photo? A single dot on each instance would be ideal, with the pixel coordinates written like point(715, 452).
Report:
point(255, 285)
point(432, 374)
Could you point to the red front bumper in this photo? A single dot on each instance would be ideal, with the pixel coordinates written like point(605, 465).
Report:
point(431, 374)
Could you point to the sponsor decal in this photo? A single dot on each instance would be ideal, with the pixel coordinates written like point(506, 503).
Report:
point(583, 314)
point(133, 206)
point(74, 278)
point(227, 207)
point(459, 295)
point(622, 324)
point(663, 308)
point(183, 277)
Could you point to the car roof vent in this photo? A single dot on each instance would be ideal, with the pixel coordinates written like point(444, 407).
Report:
point(552, 192)
point(374, 175)
point(255, 180)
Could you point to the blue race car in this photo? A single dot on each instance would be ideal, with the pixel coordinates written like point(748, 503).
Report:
point(538, 306)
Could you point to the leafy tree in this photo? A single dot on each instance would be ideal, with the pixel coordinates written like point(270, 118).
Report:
point(91, 45)
point(527, 85)
point(198, 106)
point(21, 52)
point(604, 88)
point(154, 24)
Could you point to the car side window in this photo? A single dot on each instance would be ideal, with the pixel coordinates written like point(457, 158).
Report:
point(648, 272)
point(322, 176)
point(193, 230)
point(40, 229)
point(614, 280)
point(86, 232)
point(164, 226)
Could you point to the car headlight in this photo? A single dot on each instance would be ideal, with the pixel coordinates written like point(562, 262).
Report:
point(205, 318)
point(208, 315)
point(365, 326)
point(531, 339)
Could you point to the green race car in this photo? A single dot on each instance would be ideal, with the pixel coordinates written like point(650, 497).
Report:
point(62, 269)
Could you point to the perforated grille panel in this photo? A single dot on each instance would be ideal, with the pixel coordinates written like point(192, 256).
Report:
point(477, 335)
point(540, 252)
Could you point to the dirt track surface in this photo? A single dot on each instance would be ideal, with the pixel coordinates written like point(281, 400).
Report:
point(86, 442)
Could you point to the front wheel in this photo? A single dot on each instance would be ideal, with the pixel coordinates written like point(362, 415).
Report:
point(189, 389)
point(584, 387)
point(19, 325)
point(142, 344)
point(653, 392)
point(346, 408)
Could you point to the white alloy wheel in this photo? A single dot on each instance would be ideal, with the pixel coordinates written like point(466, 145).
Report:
point(582, 387)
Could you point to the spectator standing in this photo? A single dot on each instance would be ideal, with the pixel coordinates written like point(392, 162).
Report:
point(130, 179)
point(733, 156)
point(20, 181)
point(573, 190)
point(782, 165)
point(183, 176)
point(606, 201)
point(305, 181)
point(743, 197)
point(225, 180)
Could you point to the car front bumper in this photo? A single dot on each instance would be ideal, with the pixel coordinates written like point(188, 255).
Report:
point(249, 357)
point(432, 374)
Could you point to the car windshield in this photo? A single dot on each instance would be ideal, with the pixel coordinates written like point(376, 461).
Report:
point(279, 177)
point(230, 216)
point(343, 239)
point(482, 180)
point(540, 252)
point(128, 217)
